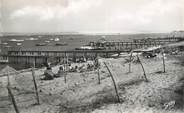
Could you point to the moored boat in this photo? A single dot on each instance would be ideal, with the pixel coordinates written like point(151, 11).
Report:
point(41, 44)
point(61, 44)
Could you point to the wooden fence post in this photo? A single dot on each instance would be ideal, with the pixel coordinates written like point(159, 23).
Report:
point(35, 85)
point(142, 68)
point(12, 99)
point(10, 94)
point(98, 75)
point(130, 62)
point(98, 69)
point(65, 65)
point(115, 87)
point(8, 79)
point(65, 75)
point(163, 59)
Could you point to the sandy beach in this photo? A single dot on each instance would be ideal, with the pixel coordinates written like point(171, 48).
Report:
point(82, 93)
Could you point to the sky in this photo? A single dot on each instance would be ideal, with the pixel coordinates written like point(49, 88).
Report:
point(91, 16)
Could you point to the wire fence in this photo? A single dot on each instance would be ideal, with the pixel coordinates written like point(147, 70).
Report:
point(35, 90)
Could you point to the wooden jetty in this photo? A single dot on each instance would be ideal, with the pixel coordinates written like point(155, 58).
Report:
point(137, 42)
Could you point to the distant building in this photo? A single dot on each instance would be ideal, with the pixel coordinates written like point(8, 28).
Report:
point(3, 59)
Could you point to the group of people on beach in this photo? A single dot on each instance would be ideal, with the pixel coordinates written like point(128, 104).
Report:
point(50, 75)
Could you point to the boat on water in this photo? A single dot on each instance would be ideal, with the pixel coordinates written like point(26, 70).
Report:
point(19, 44)
point(16, 40)
point(47, 41)
point(32, 39)
point(5, 43)
point(41, 44)
point(56, 39)
point(89, 48)
point(61, 44)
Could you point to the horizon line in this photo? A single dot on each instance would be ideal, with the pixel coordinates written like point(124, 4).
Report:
point(81, 33)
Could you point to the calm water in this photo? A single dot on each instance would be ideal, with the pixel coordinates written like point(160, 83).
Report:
point(73, 41)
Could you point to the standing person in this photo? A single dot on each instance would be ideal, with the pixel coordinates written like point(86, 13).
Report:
point(96, 63)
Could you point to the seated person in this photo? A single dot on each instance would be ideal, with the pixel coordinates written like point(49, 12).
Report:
point(60, 72)
point(75, 69)
point(48, 74)
point(71, 69)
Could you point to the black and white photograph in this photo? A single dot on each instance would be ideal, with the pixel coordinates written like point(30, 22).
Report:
point(91, 56)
